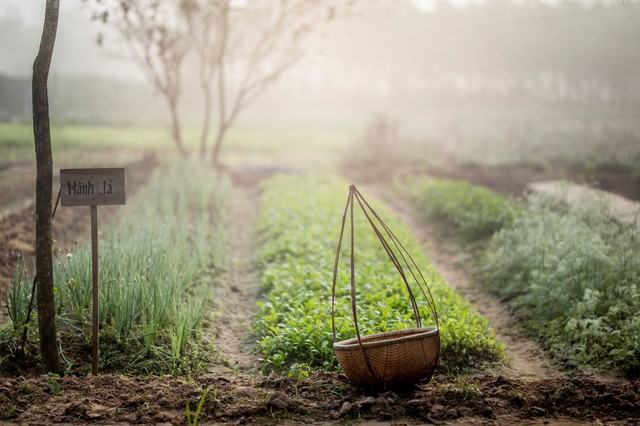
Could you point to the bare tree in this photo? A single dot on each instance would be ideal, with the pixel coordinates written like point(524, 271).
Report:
point(259, 41)
point(44, 185)
point(158, 42)
point(208, 30)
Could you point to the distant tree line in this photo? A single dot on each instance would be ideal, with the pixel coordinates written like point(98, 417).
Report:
point(573, 52)
point(15, 98)
point(83, 100)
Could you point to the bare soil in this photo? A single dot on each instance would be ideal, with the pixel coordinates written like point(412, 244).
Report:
point(239, 286)
point(323, 398)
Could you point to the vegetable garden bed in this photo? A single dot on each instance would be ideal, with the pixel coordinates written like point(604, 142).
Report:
point(156, 265)
point(299, 225)
point(570, 273)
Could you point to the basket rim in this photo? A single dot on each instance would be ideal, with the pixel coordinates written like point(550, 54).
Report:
point(396, 336)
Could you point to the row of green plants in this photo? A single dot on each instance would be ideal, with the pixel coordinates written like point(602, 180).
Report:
point(475, 211)
point(299, 226)
point(156, 267)
point(571, 272)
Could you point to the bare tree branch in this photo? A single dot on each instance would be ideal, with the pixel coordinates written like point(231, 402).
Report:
point(275, 49)
point(158, 43)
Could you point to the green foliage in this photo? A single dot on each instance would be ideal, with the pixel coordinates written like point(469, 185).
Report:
point(21, 135)
point(476, 212)
point(53, 384)
point(88, 145)
point(155, 268)
point(18, 296)
point(193, 420)
point(299, 225)
point(152, 265)
point(26, 388)
point(574, 274)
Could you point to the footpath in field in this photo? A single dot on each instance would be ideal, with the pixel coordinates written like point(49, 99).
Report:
point(525, 358)
point(236, 297)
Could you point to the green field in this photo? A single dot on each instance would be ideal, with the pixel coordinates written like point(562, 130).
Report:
point(297, 225)
point(265, 146)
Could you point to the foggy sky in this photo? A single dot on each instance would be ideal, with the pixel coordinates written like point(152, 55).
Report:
point(391, 56)
point(76, 51)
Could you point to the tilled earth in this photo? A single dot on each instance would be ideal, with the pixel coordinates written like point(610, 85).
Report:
point(323, 398)
point(236, 398)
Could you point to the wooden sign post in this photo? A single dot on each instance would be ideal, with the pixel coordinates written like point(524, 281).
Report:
point(93, 187)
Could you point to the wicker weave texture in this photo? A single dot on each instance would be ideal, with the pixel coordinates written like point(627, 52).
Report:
point(397, 358)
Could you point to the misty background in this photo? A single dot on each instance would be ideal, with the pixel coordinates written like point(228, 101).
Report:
point(516, 75)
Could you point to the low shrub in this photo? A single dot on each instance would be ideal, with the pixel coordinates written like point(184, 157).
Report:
point(573, 274)
point(475, 211)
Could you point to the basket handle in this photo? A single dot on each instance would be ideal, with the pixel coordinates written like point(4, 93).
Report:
point(380, 229)
point(349, 207)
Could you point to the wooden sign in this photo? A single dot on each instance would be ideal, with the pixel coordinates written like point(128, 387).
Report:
point(92, 187)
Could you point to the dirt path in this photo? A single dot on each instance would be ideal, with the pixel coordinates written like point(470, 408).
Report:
point(525, 357)
point(240, 288)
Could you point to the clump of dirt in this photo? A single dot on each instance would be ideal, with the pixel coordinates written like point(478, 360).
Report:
point(324, 397)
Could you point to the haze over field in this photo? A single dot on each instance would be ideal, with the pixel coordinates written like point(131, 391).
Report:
point(440, 69)
point(501, 135)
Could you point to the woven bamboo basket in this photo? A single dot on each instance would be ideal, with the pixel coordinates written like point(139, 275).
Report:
point(395, 358)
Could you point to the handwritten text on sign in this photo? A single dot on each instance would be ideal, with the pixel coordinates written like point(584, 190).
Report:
point(88, 187)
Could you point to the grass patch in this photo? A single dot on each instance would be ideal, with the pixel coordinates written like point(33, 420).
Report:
point(264, 146)
point(156, 269)
point(299, 225)
point(74, 144)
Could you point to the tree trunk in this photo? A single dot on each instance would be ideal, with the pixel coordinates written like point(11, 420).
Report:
point(44, 186)
point(223, 122)
point(218, 145)
point(206, 119)
point(222, 115)
point(175, 126)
